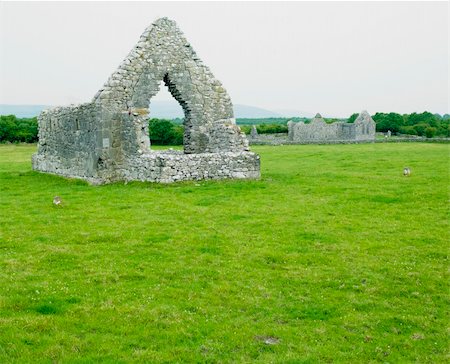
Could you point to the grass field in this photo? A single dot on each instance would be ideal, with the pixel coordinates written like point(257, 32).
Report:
point(333, 256)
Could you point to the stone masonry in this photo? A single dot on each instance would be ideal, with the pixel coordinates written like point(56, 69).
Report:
point(107, 139)
point(317, 131)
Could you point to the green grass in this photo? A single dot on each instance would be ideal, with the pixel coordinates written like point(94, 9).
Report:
point(333, 256)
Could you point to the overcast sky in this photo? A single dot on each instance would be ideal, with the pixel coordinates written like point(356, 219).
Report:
point(334, 58)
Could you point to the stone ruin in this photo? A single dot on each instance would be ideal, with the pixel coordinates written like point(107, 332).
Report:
point(317, 131)
point(107, 139)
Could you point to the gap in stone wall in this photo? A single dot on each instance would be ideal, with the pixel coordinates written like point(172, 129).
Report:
point(164, 106)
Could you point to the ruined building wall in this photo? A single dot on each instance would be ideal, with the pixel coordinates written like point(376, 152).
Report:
point(363, 129)
point(102, 140)
point(69, 140)
point(163, 53)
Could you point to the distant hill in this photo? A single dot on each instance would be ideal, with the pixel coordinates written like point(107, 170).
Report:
point(288, 113)
point(159, 109)
point(246, 111)
point(22, 111)
point(171, 110)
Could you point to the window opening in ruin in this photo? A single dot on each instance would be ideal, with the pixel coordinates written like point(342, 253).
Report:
point(166, 118)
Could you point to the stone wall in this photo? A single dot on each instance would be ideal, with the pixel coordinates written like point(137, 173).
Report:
point(69, 140)
point(363, 129)
point(102, 140)
point(172, 166)
point(282, 139)
point(269, 139)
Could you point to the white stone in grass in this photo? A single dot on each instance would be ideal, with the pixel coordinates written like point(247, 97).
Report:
point(268, 340)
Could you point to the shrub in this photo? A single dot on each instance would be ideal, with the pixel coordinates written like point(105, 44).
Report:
point(272, 128)
point(409, 130)
point(165, 132)
point(430, 132)
point(246, 129)
point(444, 130)
point(352, 118)
point(420, 129)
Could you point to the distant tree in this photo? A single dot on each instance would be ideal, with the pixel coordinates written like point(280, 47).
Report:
point(391, 121)
point(430, 132)
point(444, 129)
point(7, 127)
point(265, 128)
point(409, 130)
point(245, 128)
point(420, 128)
point(165, 132)
point(423, 118)
point(271, 128)
point(352, 118)
point(16, 130)
point(331, 120)
point(261, 121)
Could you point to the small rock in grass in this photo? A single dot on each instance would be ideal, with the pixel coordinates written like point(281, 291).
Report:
point(268, 340)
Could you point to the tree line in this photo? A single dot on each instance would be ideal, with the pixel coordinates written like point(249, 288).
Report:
point(423, 124)
point(15, 130)
point(170, 132)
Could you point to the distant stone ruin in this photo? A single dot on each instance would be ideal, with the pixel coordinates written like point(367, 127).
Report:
point(317, 131)
point(107, 139)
